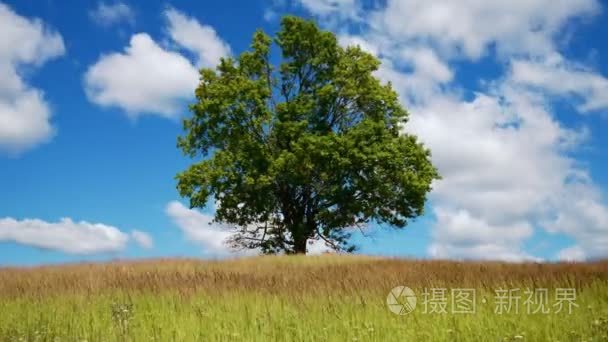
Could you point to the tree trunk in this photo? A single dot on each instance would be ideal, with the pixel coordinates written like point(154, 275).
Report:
point(299, 245)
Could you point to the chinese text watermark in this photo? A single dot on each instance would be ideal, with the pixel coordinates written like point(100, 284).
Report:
point(402, 300)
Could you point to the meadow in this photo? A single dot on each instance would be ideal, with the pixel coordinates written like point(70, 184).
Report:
point(297, 298)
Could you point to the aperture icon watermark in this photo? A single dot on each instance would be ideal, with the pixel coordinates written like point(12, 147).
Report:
point(402, 300)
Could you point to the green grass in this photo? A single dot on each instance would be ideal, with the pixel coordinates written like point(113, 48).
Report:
point(234, 306)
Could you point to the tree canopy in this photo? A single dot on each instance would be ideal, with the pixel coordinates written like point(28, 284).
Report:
point(306, 150)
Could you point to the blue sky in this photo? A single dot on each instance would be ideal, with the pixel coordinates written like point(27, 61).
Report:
point(511, 97)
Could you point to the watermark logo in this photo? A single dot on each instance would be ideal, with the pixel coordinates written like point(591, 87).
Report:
point(401, 300)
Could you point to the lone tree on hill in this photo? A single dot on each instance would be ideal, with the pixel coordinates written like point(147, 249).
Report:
point(303, 152)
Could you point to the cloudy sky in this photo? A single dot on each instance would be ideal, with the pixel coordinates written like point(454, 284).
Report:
point(511, 97)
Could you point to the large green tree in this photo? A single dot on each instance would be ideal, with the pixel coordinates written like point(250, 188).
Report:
point(306, 151)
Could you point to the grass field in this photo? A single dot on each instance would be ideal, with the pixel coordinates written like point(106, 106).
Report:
point(325, 298)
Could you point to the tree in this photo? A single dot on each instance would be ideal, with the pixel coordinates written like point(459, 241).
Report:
point(304, 152)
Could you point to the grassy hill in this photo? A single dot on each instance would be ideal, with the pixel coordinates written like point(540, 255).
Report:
point(324, 298)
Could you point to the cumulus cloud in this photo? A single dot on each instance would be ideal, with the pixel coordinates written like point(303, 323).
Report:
point(111, 14)
point(143, 239)
point(571, 254)
point(65, 235)
point(460, 235)
point(560, 77)
point(151, 79)
point(506, 169)
point(145, 78)
point(469, 27)
point(188, 33)
point(346, 40)
point(582, 215)
point(492, 150)
point(318, 247)
point(200, 228)
point(24, 113)
point(504, 156)
point(325, 8)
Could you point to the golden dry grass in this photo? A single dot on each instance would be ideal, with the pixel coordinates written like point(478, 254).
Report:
point(275, 274)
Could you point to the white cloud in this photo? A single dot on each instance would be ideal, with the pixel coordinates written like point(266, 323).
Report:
point(326, 8)
point(24, 113)
point(110, 14)
point(318, 247)
point(143, 239)
point(505, 170)
point(493, 150)
point(583, 216)
point(471, 26)
point(559, 77)
point(426, 63)
point(200, 39)
point(200, 228)
point(351, 40)
point(571, 254)
point(144, 79)
point(24, 121)
point(459, 235)
point(65, 236)
point(150, 79)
